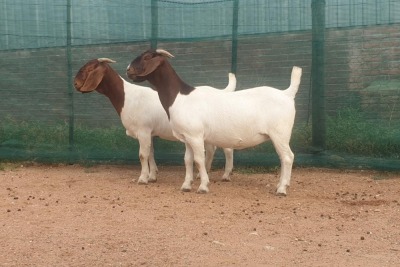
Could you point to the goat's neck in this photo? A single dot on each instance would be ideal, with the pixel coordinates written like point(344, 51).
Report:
point(168, 85)
point(112, 86)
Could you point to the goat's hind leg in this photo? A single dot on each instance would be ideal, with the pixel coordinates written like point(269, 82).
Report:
point(286, 157)
point(228, 164)
point(210, 152)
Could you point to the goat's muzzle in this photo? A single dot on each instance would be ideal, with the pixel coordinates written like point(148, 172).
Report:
point(78, 85)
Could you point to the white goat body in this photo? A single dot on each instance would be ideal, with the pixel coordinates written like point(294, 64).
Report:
point(243, 119)
point(141, 113)
point(238, 120)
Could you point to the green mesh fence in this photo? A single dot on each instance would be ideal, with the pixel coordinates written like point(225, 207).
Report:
point(348, 104)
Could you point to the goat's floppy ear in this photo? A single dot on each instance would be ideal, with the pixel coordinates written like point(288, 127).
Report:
point(93, 79)
point(151, 65)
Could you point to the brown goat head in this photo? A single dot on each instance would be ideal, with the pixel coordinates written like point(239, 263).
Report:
point(91, 74)
point(146, 63)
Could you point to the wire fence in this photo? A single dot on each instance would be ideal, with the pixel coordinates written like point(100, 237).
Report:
point(43, 23)
point(43, 43)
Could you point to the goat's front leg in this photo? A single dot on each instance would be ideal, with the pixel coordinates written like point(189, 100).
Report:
point(187, 184)
point(197, 146)
point(152, 164)
point(144, 152)
point(210, 152)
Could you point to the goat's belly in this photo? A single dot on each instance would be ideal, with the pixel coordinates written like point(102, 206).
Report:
point(237, 142)
point(164, 131)
point(169, 137)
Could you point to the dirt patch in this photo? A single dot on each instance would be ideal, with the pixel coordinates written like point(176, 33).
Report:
point(96, 216)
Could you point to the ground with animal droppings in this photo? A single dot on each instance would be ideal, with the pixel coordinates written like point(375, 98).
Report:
point(72, 215)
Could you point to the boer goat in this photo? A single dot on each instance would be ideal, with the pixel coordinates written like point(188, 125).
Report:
point(140, 111)
point(236, 120)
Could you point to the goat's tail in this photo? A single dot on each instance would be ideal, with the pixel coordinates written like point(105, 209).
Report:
point(232, 83)
point(294, 81)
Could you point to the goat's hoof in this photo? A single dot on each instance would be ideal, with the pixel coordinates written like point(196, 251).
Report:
point(281, 192)
point(186, 189)
point(152, 180)
point(226, 179)
point(281, 189)
point(202, 190)
point(140, 181)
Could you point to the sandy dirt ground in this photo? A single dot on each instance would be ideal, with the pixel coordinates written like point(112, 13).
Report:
point(57, 215)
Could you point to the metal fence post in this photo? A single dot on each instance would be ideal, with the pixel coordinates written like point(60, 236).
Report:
point(154, 24)
point(69, 79)
point(234, 35)
point(318, 75)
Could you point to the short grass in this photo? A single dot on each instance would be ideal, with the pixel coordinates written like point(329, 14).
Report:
point(348, 132)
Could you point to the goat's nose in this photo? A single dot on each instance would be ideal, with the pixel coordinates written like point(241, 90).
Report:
point(76, 85)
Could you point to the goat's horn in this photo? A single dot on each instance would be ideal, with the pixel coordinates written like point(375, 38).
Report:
point(164, 53)
point(107, 60)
